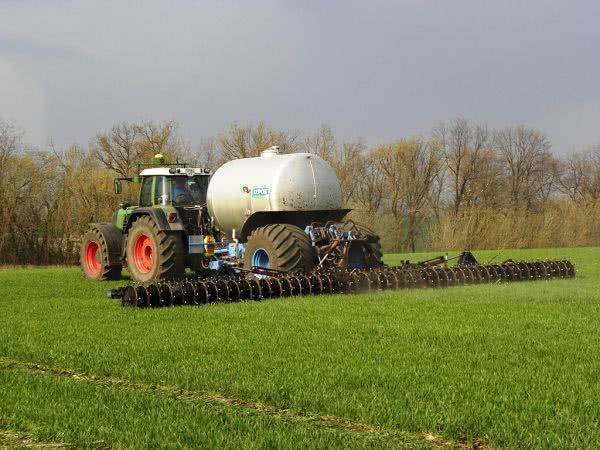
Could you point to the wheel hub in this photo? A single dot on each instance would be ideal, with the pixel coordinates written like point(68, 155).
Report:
point(260, 258)
point(143, 253)
point(92, 257)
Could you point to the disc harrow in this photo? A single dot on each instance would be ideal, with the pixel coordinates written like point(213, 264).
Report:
point(200, 291)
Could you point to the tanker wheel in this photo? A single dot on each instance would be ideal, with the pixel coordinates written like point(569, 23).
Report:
point(280, 247)
point(93, 257)
point(153, 254)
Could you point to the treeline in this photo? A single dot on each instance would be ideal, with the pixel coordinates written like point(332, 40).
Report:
point(465, 186)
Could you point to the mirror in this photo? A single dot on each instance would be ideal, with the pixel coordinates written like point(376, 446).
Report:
point(118, 186)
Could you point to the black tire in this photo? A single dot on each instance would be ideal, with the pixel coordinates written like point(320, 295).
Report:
point(373, 254)
point(288, 248)
point(168, 253)
point(94, 257)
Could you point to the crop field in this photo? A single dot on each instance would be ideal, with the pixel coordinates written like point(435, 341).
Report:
point(505, 365)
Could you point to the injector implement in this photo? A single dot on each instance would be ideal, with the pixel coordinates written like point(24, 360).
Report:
point(269, 284)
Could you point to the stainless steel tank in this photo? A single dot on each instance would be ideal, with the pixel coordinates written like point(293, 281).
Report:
point(272, 182)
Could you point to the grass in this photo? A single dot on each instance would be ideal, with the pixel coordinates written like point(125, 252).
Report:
point(92, 415)
point(514, 365)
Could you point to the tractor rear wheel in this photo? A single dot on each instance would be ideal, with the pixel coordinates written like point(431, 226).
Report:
point(280, 247)
point(153, 254)
point(94, 255)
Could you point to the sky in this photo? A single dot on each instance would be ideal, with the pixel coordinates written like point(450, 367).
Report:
point(380, 70)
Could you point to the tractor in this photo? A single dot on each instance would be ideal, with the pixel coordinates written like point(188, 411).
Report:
point(276, 213)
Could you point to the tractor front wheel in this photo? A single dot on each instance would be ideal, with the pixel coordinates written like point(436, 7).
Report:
point(153, 254)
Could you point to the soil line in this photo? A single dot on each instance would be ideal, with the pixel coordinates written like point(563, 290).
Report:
point(13, 439)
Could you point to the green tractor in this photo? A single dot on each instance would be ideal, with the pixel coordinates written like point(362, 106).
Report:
point(148, 237)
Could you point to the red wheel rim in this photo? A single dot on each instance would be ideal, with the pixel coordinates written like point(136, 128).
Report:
point(143, 253)
point(92, 251)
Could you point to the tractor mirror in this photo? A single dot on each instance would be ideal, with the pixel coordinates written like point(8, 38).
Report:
point(118, 187)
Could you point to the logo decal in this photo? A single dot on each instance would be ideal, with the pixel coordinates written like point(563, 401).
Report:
point(260, 191)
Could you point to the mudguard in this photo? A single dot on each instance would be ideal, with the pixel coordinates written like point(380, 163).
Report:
point(114, 241)
point(159, 217)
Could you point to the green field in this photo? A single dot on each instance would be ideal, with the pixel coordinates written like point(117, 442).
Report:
point(510, 365)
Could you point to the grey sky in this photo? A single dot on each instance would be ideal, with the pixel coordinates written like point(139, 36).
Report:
point(376, 69)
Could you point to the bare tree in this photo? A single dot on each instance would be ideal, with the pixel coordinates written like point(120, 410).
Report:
point(571, 178)
point(127, 145)
point(117, 149)
point(10, 144)
point(410, 167)
point(249, 141)
point(322, 143)
point(592, 181)
point(464, 147)
point(159, 137)
point(348, 164)
point(526, 158)
point(488, 188)
point(370, 181)
point(579, 176)
point(205, 154)
point(208, 155)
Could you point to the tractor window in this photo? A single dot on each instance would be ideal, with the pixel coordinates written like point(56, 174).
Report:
point(160, 195)
point(189, 190)
point(146, 192)
point(199, 187)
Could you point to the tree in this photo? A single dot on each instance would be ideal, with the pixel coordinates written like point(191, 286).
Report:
point(528, 164)
point(205, 154)
point(410, 167)
point(322, 143)
point(579, 176)
point(10, 145)
point(117, 149)
point(370, 185)
point(348, 164)
point(464, 148)
point(10, 142)
point(127, 145)
point(249, 141)
point(158, 137)
point(348, 160)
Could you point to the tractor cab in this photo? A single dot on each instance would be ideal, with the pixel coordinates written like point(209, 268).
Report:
point(174, 186)
point(169, 184)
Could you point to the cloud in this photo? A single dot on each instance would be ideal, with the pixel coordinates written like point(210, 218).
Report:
point(377, 69)
point(26, 48)
point(22, 101)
